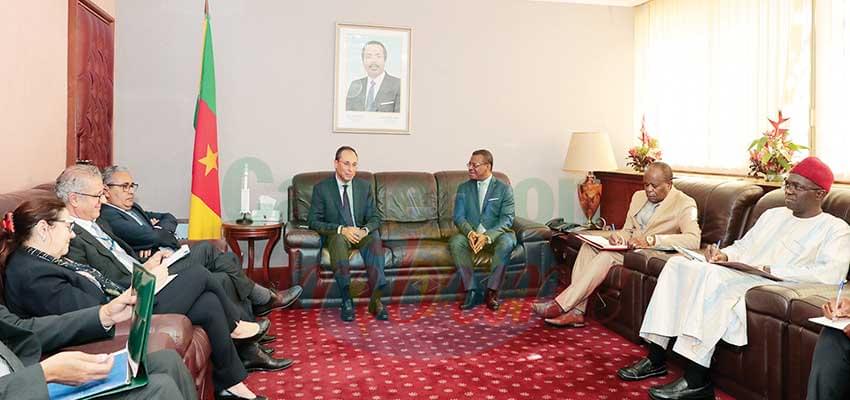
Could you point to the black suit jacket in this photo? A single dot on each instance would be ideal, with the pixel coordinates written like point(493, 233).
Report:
point(86, 249)
point(145, 236)
point(326, 206)
point(36, 288)
point(23, 340)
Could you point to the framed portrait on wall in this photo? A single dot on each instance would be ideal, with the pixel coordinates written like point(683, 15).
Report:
point(372, 79)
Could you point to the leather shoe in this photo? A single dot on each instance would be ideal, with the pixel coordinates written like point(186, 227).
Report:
point(567, 320)
point(547, 309)
point(492, 300)
point(346, 310)
point(230, 396)
point(379, 310)
point(280, 299)
point(267, 339)
point(264, 328)
point(679, 390)
point(473, 298)
point(640, 370)
point(267, 350)
point(254, 359)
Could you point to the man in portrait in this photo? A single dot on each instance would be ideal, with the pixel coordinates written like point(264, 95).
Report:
point(378, 91)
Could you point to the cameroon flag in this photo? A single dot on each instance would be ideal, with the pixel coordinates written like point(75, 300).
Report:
point(205, 205)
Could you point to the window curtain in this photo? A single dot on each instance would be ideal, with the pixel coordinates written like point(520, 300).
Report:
point(832, 67)
point(708, 74)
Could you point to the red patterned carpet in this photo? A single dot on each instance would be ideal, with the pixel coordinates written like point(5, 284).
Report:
point(434, 351)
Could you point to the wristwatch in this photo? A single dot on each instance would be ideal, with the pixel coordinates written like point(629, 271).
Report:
point(650, 240)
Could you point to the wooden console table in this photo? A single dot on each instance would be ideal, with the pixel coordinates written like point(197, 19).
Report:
point(270, 231)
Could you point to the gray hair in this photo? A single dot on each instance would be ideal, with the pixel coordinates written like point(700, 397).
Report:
point(73, 179)
point(112, 170)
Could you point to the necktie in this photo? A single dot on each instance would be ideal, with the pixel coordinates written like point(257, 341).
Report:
point(370, 98)
point(481, 195)
point(346, 207)
point(104, 237)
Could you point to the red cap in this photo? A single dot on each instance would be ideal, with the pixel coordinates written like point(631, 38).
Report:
point(816, 171)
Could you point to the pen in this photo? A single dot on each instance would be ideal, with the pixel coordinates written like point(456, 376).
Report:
point(838, 298)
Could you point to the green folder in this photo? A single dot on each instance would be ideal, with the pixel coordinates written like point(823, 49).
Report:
point(129, 371)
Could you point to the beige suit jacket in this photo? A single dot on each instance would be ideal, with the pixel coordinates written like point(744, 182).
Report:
point(673, 223)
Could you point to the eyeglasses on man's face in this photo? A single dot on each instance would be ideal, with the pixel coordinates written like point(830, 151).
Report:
point(797, 187)
point(475, 165)
point(96, 196)
point(127, 187)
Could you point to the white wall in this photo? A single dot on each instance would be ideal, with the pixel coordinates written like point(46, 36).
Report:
point(34, 90)
point(509, 75)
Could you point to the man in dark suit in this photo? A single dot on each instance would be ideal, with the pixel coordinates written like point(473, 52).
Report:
point(484, 214)
point(378, 91)
point(343, 211)
point(81, 188)
point(147, 232)
point(22, 341)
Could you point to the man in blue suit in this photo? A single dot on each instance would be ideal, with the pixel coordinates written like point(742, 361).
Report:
point(343, 211)
point(484, 214)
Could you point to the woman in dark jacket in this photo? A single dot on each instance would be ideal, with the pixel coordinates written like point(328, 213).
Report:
point(39, 282)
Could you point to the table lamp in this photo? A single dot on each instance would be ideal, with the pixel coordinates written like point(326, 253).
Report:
point(588, 152)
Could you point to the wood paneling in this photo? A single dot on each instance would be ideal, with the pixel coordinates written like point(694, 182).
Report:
point(91, 53)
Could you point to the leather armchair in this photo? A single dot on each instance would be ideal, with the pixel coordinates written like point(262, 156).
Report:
point(416, 222)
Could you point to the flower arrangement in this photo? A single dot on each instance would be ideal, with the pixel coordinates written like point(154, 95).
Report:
point(646, 153)
point(771, 154)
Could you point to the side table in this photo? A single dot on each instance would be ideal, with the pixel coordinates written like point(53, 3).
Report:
point(270, 231)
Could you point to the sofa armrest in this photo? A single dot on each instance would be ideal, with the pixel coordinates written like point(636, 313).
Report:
point(297, 237)
point(775, 300)
point(530, 231)
point(805, 308)
point(168, 331)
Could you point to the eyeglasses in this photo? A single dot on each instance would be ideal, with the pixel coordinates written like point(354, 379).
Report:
point(476, 165)
point(127, 187)
point(97, 196)
point(796, 187)
point(69, 224)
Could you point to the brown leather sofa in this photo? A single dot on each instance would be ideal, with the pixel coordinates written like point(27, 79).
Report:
point(776, 361)
point(169, 331)
point(416, 214)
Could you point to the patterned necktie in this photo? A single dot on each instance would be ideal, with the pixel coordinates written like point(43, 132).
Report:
point(103, 236)
point(346, 207)
point(370, 98)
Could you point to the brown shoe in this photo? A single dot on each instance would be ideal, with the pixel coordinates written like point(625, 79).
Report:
point(492, 300)
point(548, 309)
point(567, 320)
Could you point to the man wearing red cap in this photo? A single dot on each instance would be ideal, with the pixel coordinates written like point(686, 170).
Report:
point(700, 303)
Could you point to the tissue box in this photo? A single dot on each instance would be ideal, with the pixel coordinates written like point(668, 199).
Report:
point(266, 215)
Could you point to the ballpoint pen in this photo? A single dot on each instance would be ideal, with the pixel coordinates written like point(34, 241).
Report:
point(838, 298)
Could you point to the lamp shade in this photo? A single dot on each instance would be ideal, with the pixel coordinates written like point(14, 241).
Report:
point(589, 151)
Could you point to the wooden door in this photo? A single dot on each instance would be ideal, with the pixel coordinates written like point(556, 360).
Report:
point(91, 54)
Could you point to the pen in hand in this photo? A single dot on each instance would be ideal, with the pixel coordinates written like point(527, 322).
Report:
point(838, 299)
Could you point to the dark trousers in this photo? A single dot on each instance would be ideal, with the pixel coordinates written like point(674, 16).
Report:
point(168, 379)
point(463, 258)
point(195, 294)
point(227, 271)
point(830, 367)
point(372, 251)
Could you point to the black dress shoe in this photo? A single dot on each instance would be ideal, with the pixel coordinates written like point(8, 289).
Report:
point(679, 390)
point(267, 339)
point(379, 310)
point(473, 298)
point(640, 370)
point(230, 396)
point(264, 328)
point(492, 300)
point(346, 310)
point(254, 359)
point(281, 299)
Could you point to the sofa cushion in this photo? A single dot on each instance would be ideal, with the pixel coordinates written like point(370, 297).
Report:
point(301, 192)
point(355, 259)
point(447, 183)
point(805, 308)
point(775, 300)
point(723, 206)
point(406, 196)
point(415, 253)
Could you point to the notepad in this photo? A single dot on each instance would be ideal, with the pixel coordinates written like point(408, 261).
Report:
point(601, 243)
point(839, 323)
